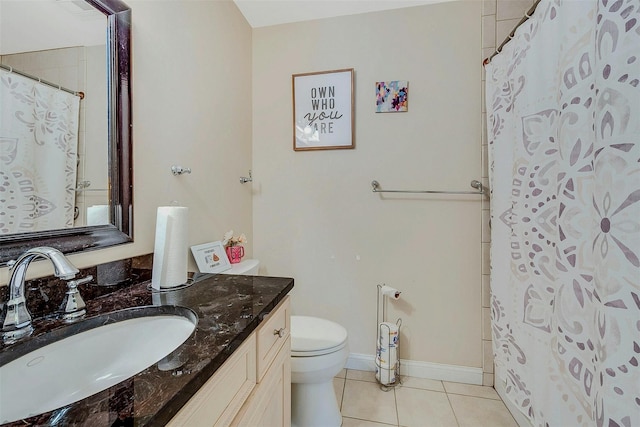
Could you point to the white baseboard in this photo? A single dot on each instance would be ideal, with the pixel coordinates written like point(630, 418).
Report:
point(412, 368)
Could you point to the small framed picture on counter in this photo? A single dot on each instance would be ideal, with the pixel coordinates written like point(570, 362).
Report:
point(211, 257)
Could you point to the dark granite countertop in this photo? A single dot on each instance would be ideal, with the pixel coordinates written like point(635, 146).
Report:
point(228, 308)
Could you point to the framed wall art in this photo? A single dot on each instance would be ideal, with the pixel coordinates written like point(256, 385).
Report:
point(323, 113)
point(392, 96)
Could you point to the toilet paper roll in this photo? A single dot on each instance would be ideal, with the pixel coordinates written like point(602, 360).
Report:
point(388, 334)
point(390, 292)
point(170, 254)
point(387, 357)
point(385, 376)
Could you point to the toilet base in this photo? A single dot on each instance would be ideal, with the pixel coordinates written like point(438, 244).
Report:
point(314, 405)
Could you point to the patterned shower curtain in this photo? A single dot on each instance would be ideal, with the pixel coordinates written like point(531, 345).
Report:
point(38, 155)
point(563, 107)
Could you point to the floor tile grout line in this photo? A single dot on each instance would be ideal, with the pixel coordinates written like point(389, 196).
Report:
point(344, 387)
point(425, 389)
point(395, 397)
point(397, 424)
point(455, 416)
point(395, 400)
point(362, 381)
point(477, 397)
point(374, 422)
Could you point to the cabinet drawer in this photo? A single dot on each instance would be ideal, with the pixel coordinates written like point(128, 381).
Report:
point(272, 334)
point(220, 398)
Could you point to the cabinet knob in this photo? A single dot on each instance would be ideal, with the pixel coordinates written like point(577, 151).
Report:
point(279, 332)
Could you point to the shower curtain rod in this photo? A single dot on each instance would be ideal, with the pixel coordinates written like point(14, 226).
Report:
point(524, 19)
point(39, 80)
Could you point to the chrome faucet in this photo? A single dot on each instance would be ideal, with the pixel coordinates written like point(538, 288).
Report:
point(15, 318)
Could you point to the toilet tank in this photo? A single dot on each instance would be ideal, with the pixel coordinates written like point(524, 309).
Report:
point(247, 267)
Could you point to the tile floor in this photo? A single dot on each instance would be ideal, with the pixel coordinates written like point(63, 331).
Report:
point(417, 402)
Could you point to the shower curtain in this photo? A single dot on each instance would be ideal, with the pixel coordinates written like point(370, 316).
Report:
point(563, 117)
point(38, 155)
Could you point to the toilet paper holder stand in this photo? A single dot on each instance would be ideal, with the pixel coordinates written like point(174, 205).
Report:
point(387, 377)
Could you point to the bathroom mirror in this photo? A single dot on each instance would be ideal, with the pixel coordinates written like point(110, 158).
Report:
point(119, 152)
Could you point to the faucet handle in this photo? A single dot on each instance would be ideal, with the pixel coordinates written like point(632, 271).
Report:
point(74, 283)
point(73, 306)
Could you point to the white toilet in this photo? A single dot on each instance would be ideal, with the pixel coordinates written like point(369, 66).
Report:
point(318, 352)
point(247, 267)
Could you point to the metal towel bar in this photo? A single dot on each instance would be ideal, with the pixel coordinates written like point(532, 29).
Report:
point(375, 187)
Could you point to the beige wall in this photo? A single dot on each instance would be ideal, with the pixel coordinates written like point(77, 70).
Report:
point(315, 217)
point(191, 107)
point(94, 164)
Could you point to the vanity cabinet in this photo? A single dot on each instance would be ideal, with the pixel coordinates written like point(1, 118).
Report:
point(270, 402)
point(253, 387)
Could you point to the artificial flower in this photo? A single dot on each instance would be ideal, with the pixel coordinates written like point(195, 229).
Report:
point(230, 240)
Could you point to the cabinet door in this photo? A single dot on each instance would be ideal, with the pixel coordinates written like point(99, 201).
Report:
point(270, 405)
point(220, 398)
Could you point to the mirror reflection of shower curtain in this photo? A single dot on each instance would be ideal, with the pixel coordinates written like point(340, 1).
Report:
point(38, 155)
point(563, 107)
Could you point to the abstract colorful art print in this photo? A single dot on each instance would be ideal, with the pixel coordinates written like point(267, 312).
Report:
point(392, 97)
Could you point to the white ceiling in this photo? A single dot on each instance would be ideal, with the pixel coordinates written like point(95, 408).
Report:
point(27, 25)
point(262, 13)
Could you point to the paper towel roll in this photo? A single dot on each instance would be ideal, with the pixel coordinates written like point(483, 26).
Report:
point(171, 247)
point(98, 215)
point(390, 292)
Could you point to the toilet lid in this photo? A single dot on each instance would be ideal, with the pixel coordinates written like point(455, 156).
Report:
point(312, 336)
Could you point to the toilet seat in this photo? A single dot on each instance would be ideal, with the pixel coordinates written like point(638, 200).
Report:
point(313, 336)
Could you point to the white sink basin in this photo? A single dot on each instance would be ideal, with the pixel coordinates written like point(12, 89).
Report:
point(68, 369)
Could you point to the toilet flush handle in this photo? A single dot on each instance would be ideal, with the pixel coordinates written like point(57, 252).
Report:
point(279, 332)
